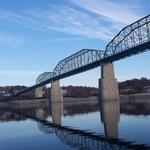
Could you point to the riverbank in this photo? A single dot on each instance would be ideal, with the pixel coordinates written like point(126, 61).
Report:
point(136, 97)
point(144, 97)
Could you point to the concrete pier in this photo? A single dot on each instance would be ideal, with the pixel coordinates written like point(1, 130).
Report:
point(56, 92)
point(108, 85)
point(39, 92)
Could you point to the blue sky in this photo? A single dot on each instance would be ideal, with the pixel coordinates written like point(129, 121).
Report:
point(36, 34)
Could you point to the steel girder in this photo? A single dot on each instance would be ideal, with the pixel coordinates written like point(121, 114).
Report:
point(129, 37)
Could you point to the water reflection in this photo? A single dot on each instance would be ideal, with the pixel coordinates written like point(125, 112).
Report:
point(73, 109)
point(86, 140)
point(56, 112)
point(110, 116)
point(80, 139)
point(40, 114)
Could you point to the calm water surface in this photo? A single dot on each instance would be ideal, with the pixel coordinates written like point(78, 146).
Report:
point(75, 126)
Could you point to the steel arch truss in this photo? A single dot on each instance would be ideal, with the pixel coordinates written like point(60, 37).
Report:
point(129, 37)
point(45, 76)
point(78, 60)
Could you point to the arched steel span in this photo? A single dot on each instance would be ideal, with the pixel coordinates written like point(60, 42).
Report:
point(44, 76)
point(87, 140)
point(129, 37)
point(77, 60)
point(131, 40)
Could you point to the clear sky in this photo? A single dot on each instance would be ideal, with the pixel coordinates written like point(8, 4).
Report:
point(36, 34)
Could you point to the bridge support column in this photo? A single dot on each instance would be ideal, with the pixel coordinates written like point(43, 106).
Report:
point(56, 92)
point(108, 85)
point(39, 93)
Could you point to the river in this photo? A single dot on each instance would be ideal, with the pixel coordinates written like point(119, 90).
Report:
point(38, 124)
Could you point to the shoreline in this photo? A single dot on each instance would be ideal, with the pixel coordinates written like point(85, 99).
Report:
point(130, 98)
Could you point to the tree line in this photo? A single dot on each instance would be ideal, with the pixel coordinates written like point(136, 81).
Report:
point(126, 87)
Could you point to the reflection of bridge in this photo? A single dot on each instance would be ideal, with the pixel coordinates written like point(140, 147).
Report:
point(131, 40)
point(110, 116)
point(87, 140)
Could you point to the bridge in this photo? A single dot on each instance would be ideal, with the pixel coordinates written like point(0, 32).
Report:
point(131, 40)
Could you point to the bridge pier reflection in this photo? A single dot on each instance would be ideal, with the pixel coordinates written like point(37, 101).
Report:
point(56, 112)
point(108, 85)
point(41, 114)
point(110, 116)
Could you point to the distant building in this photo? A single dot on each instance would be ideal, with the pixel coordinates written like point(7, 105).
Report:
point(146, 89)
